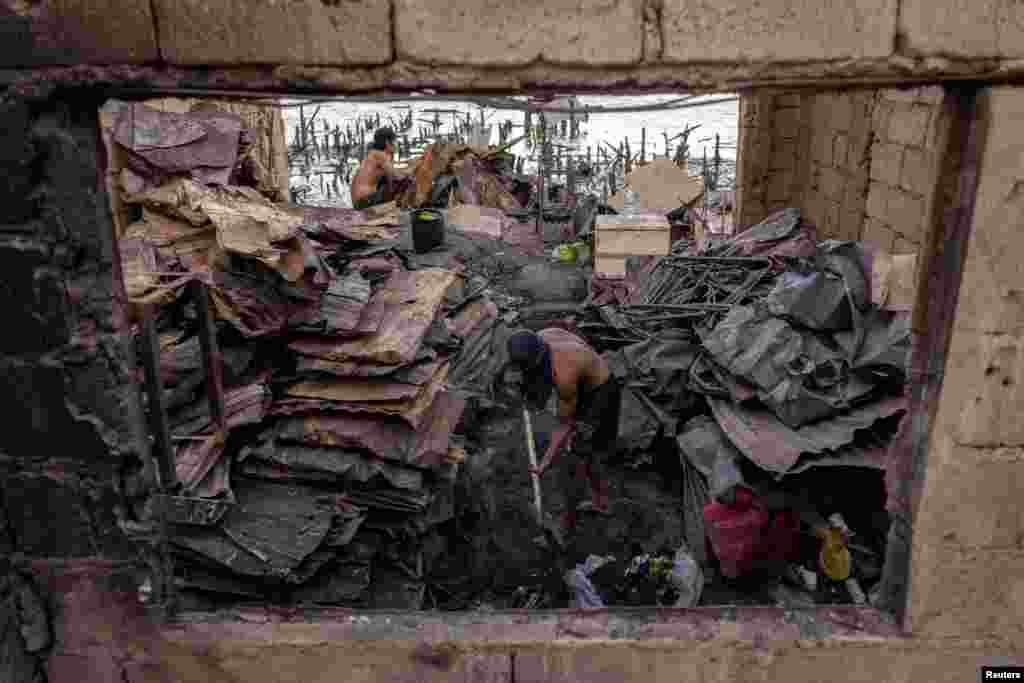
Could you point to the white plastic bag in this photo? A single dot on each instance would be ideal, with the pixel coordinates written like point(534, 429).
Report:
point(686, 577)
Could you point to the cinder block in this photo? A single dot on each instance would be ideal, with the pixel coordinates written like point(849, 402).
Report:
point(963, 28)
point(830, 227)
point(840, 150)
point(905, 245)
point(886, 163)
point(879, 234)
point(833, 184)
point(822, 147)
point(986, 370)
point(780, 186)
point(878, 198)
point(811, 210)
point(905, 212)
point(851, 222)
point(842, 112)
point(909, 124)
point(600, 33)
point(306, 32)
point(880, 119)
point(52, 32)
point(735, 30)
point(787, 123)
point(965, 593)
point(855, 194)
point(784, 154)
point(821, 109)
point(919, 173)
point(48, 517)
point(787, 100)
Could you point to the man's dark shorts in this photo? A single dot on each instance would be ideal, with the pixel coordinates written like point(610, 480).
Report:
point(598, 409)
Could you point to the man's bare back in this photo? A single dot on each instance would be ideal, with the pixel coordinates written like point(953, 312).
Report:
point(573, 363)
point(375, 166)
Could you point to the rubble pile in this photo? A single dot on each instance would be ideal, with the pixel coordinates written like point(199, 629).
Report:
point(449, 174)
point(763, 381)
point(769, 359)
point(338, 461)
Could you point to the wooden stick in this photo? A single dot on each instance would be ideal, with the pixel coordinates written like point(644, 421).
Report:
point(531, 450)
point(162, 450)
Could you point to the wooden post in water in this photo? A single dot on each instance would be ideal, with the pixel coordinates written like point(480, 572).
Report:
point(541, 171)
point(305, 137)
point(718, 159)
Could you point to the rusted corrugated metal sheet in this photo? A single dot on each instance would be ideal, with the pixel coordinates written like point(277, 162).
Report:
point(139, 265)
point(387, 438)
point(203, 144)
point(340, 310)
point(411, 301)
point(419, 372)
point(200, 464)
point(269, 533)
point(328, 464)
point(471, 317)
point(765, 440)
point(243, 405)
point(407, 402)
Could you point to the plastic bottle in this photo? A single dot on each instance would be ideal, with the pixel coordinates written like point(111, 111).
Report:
point(631, 201)
point(835, 556)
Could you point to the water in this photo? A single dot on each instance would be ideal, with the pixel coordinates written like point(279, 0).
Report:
point(323, 185)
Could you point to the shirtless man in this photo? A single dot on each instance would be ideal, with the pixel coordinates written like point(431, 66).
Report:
point(588, 409)
point(373, 183)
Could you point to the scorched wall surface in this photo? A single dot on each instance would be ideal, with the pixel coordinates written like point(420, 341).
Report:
point(72, 451)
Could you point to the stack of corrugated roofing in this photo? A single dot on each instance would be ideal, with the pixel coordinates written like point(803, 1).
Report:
point(338, 455)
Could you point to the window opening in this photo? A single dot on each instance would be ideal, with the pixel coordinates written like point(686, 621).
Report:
point(329, 388)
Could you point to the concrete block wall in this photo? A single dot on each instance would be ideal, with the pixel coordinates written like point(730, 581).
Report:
point(860, 163)
point(837, 137)
point(906, 125)
point(366, 45)
point(69, 454)
point(754, 142)
point(968, 550)
point(771, 163)
point(72, 452)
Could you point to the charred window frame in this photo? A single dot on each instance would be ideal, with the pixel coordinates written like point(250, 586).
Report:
point(939, 275)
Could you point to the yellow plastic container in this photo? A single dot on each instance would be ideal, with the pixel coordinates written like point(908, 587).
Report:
point(567, 253)
point(835, 556)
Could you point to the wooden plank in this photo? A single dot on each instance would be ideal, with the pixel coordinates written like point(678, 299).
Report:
point(212, 360)
point(158, 426)
point(633, 243)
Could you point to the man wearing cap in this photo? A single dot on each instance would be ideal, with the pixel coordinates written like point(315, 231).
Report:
point(374, 182)
point(555, 360)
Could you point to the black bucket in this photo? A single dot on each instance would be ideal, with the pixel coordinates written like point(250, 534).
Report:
point(427, 230)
